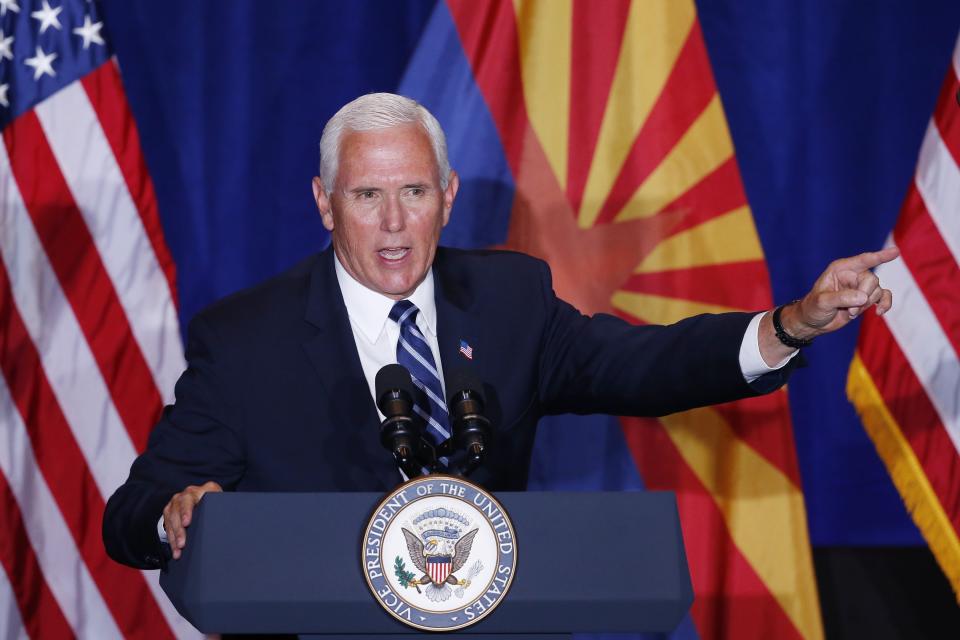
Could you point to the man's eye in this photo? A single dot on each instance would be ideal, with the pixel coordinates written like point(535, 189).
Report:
point(367, 195)
point(416, 191)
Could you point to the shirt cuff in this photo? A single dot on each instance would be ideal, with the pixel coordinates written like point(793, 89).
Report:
point(162, 533)
point(752, 364)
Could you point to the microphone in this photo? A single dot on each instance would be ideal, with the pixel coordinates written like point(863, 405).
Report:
point(471, 429)
point(399, 434)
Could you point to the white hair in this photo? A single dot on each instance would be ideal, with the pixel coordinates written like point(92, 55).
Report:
point(379, 111)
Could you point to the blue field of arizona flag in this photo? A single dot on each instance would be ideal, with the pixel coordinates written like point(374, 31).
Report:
point(593, 134)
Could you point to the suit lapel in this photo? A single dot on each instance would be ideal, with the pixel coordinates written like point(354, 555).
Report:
point(334, 356)
point(455, 322)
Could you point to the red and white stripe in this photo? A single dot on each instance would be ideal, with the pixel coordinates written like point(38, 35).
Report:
point(925, 322)
point(938, 181)
point(89, 352)
point(439, 571)
point(52, 548)
point(920, 336)
point(11, 624)
point(912, 353)
point(95, 179)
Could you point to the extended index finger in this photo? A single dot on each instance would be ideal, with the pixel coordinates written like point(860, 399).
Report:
point(868, 260)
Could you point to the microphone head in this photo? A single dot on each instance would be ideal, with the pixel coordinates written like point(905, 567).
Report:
point(461, 380)
point(392, 377)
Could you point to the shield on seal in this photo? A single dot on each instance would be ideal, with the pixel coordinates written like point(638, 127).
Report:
point(438, 567)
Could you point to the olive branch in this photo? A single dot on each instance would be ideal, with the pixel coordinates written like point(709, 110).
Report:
point(405, 577)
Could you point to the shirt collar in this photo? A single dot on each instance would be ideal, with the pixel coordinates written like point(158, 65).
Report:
point(370, 310)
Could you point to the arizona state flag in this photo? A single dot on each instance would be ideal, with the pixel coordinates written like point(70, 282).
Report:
point(624, 178)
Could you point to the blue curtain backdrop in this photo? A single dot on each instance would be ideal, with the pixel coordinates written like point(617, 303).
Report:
point(827, 102)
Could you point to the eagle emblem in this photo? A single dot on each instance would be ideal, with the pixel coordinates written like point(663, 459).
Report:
point(439, 553)
point(438, 549)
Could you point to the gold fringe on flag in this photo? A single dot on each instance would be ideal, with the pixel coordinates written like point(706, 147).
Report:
point(905, 469)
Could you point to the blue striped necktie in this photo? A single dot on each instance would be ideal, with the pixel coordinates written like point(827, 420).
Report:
point(414, 353)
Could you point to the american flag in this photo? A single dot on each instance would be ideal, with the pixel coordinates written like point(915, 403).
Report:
point(905, 377)
point(89, 340)
point(466, 350)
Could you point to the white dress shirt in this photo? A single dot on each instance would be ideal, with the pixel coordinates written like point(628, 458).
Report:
point(375, 334)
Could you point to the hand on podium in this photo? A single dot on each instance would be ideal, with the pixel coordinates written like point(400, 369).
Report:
point(179, 511)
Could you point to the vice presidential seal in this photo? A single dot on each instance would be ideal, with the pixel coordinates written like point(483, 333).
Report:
point(439, 553)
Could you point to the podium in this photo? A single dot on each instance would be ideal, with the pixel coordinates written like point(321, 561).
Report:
point(290, 563)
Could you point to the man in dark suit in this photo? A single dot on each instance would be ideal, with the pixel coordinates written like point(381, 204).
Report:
point(278, 394)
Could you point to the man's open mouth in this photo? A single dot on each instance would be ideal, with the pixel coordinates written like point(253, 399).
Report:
point(394, 253)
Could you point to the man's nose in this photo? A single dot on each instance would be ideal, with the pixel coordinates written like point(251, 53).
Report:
point(392, 215)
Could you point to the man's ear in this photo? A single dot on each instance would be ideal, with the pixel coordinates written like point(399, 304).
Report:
point(449, 195)
point(323, 203)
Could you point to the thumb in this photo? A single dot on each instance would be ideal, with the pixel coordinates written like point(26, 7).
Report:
point(211, 487)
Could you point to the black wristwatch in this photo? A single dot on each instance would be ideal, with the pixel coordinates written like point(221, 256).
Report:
point(782, 335)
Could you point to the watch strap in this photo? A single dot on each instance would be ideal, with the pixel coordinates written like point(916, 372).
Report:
point(783, 336)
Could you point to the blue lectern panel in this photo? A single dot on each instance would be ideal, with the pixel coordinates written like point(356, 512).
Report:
point(290, 563)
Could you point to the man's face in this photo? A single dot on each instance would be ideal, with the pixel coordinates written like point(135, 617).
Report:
point(387, 209)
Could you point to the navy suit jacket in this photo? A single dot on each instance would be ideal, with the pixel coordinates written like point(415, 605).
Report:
point(274, 397)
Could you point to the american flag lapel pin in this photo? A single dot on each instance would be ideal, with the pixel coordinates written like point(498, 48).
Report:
point(466, 350)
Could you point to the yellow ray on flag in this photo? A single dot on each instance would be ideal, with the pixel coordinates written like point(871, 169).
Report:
point(656, 309)
point(762, 508)
point(704, 146)
point(544, 30)
point(652, 40)
point(731, 237)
